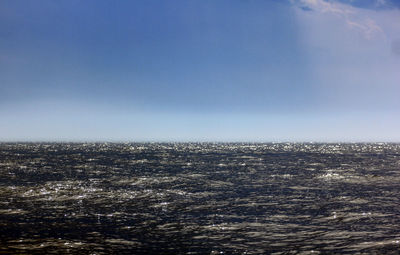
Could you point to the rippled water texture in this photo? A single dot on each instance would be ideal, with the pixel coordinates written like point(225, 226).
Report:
point(200, 198)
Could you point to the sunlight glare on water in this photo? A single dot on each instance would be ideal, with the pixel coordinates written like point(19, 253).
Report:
point(199, 198)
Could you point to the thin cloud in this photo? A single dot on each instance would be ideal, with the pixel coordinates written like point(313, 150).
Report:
point(396, 47)
point(381, 3)
point(366, 26)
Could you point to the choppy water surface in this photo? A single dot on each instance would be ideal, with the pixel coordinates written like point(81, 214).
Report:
point(200, 198)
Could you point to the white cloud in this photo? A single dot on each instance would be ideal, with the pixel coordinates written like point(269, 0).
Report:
point(364, 25)
point(325, 7)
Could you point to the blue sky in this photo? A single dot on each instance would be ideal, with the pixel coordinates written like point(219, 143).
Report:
point(295, 70)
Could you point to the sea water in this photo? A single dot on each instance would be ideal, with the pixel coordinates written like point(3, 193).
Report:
point(199, 198)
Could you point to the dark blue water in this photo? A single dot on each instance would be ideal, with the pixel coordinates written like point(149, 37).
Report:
point(195, 198)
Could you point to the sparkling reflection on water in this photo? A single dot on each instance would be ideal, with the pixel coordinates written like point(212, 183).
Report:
point(200, 198)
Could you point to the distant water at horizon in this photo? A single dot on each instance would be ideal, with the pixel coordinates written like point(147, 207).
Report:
point(200, 198)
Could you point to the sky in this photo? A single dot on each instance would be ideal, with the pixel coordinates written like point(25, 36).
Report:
point(200, 70)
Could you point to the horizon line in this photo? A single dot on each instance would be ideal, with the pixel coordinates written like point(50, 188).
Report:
point(194, 142)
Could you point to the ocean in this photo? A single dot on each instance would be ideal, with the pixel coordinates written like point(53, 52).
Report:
point(199, 198)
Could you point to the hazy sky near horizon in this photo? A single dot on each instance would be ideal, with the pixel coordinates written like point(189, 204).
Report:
point(200, 70)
